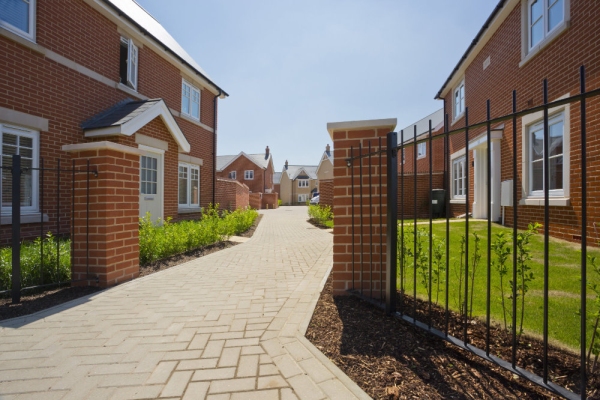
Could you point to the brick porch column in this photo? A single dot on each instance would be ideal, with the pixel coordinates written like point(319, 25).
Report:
point(113, 214)
point(346, 135)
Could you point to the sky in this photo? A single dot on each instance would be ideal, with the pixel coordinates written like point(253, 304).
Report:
point(292, 66)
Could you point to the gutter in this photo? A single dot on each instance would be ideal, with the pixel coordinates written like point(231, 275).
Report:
point(472, 45)
point(165, 47)
point(214, 171)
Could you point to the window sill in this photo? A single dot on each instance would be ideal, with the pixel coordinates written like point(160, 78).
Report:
point(130, 91)
point(457, 118)
point(544, 43)
point(421, 157)
point(458, 201)
point(33, 218)
point(539, 201)
point(190, 210)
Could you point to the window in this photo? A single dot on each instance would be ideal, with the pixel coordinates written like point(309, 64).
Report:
point(189, 185)
point(128, 65)
point(543, 16)
point(535, 138)
point(190, 101)
point(459, 178)
point(18, 16)
point(149, 175)
point(302, 198)
point(23, 142)
point(459, 100)
point(233, 175)
point(421, 150)
point(248, 175)
point(302, 183)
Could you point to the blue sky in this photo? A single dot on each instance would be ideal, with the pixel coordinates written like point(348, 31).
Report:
point(292, 66)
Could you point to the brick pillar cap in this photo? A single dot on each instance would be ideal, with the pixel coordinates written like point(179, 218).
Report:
point(389, 123)
point(101, 146)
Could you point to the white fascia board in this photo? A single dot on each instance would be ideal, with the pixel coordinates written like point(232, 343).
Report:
point(364, 124)
point(487, 35)
point(109, 13)
point(101, 146)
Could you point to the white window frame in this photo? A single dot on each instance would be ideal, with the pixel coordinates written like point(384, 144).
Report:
point(233, 175)
point(303, 183)
point(188, 204)
point(35, 136)
point(458, 110)
point(539, 126)
point(132, 62)
point(459, 174)
point(193, 91)
point(30, 34)
point(528, 51)
point(421, 150)
point(302, 198)
point(249, 175)
point(557, 197)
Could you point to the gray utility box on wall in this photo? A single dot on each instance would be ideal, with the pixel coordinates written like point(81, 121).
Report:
point(438, 202)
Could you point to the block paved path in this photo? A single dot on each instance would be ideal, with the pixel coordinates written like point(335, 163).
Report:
point(229, 325)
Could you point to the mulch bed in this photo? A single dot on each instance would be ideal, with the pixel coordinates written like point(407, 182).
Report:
point(35, 301)
point(316, 223)
point(391, 359)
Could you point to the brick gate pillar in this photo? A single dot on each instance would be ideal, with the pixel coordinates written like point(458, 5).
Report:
point(113, 214)
point(346, 135)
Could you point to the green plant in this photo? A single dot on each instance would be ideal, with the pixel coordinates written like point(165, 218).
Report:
point(279, 202)
point(475, 260)
point(420, 258)
point(502, 251)
point(594, 286)
point(439, 264)
point(462, 305)
point(321, 214)
point(524, 273)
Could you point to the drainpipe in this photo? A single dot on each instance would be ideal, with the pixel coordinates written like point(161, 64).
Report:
point(214, 171)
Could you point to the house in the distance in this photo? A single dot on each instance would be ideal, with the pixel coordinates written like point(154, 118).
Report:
point(253, 170)
point(298, 183)
point(325, 177)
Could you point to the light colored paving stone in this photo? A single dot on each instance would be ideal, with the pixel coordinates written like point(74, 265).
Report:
point(227, 325)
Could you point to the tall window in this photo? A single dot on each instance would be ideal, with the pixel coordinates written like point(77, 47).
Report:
point(459, 178)
point(248, 175)
point(233, 175)
point(421, 150)
point(149, 175)
point(543, 17)
point(302, 183)
point(18, 16)
point(189, 185)
point(23, 142)
point(459, 100)
point(190, 100)
point(556, 127)
point(128, 65)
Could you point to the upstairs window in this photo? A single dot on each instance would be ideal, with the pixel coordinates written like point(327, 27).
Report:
point(459, 100)
point(421, 150)
point(248, 175)
point(302, 183)
point(128, 64)
point(543, 17)
point(190, 101)
point(18, 16)
point(233, 175)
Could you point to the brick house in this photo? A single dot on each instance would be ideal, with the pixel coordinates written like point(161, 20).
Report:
point(298, 183)
point(254, 170)
point(102, 80)
point(325, 178)
point(277, 182)
point(520, 44)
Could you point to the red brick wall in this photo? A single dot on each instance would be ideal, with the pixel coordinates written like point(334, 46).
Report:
point(269, 200)
point(263, 179)
point(255, 200)
point(558, 62)
point(407, 198)
point(232, 195)
point(343, 262)
point(326, 192)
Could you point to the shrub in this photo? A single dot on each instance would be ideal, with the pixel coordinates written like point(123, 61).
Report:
point(321, 214)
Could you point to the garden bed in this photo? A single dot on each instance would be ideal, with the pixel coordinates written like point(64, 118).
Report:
point(391, 359)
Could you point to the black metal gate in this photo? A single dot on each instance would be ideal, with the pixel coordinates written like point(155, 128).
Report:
point(420, 313)
point(48, 231)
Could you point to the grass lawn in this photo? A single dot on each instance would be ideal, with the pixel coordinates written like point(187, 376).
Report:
point(564, 279)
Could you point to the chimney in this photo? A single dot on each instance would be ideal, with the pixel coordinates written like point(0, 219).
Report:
point(328, 149)
point(286, 164)
point(267, 153)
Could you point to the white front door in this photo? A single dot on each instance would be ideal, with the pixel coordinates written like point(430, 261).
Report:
point(151, 184)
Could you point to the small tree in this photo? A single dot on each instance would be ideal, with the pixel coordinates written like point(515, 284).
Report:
point(474, 264)
point(502, 251)
point(439, 264)
point(594, 286)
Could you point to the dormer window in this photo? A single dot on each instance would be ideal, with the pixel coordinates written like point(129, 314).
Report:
point(128, 65)
point(18, 16)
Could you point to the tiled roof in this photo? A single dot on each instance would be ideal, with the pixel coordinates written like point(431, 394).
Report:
point(277, 178)
point(259, 159)
point(119, 114)
point(294, 171)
